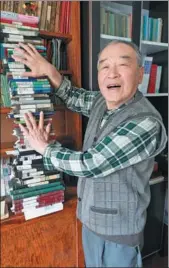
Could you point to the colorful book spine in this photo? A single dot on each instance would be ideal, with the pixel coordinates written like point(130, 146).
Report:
point(152, 81)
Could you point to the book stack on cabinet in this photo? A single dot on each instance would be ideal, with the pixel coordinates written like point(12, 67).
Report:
point(34, 191)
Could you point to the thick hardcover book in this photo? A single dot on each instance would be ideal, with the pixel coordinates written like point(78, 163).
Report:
point(27, 189)
point(41, 203)
point(39, 197)
point(34, 213)
point(38, 192)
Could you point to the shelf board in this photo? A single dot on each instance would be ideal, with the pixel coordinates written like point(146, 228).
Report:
point(156, 94)
point(6, 146)
point(150, 47)
point(67, 72)
point(66, 37)
point(5, 110)
point(111, 37)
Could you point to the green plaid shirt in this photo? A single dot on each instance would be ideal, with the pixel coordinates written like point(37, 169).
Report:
point(128, 144)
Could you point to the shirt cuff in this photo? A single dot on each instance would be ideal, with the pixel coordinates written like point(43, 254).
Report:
point(48, 154)
point(64, 85)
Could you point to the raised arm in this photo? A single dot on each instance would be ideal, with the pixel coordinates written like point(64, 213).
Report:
point(76, 99)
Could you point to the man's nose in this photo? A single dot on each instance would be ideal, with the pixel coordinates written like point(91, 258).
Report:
point(113, 72)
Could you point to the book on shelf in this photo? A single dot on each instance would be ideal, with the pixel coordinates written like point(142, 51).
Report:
point(152, 77)
point(147, 62)
point(158, 79)
point(151, 28)
point(152, 80)
point(53, 16)
point(115, 23)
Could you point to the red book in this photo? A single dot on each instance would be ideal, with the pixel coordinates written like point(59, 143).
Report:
point(152, 81)
point(40, 197)
point(68, 17)
point(23, 23)
point(62, 16)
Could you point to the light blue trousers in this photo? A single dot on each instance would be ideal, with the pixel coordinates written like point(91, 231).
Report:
point(103, 253)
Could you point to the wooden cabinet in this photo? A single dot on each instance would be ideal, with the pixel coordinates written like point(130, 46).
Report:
point(49, 241)
point(53, 240)
point(67, 124)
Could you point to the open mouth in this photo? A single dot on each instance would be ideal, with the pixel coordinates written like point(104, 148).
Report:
point(113, 86)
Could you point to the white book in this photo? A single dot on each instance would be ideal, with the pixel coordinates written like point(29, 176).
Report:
point(14, 39)
point(31, 170)
point(30, 175)
point(4, 210)
point(30, 157)
point(21, 32)
point(34, 213)
point(37, 183)
point(33, 110)
point(22, 167)
point(158, 79)
point(24, 91)
point(28, 101)
point(39, 105)
point(18, 37)
point(35, 180)
point(143, 87)
point(10, 45)
point(18, 26)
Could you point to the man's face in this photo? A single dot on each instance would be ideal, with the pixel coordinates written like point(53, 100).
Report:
point(118, 74)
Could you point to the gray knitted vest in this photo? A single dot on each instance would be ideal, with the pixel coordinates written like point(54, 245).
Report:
point(114, 206)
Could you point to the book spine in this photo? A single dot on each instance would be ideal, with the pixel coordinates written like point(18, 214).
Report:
point(43, 211)
point(152, 82)
point(38, 192)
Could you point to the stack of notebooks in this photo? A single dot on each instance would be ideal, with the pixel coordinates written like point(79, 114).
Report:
point(34, 191)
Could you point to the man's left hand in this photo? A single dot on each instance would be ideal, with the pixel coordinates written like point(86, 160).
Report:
point(35, 134)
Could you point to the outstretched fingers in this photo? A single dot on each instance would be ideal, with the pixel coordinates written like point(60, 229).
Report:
point(30, 121)
point(28, 49)
point(24, 130)
point(41, 120)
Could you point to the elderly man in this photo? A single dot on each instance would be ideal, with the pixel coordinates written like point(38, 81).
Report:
point(124, 134)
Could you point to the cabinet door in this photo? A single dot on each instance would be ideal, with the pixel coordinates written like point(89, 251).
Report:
point(154, 225)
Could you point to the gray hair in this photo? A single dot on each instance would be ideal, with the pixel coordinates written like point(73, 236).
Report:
point(129, 43)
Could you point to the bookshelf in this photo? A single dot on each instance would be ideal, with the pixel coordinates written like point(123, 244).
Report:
point(150, 47)
point(70, 120)
point(62, 244)
point(156, 95)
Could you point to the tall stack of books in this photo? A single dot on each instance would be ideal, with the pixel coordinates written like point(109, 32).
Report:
point(34, 191)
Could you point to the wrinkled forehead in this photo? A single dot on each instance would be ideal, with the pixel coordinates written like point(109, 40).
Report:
point(118, 51)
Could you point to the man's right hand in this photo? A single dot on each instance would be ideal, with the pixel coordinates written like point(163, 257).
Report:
point(38, 65)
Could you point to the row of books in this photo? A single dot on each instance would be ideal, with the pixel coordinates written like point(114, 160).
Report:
point(19, 29)
point(34, 191)
point(152, 77)
point(115, 24)
point(151, 29)
point(54, 15)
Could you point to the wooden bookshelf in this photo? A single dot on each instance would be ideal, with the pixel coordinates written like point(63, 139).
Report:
point(6, 146)
point(60, 235)
point(48, 35)
point(57, 234)
point(5, 110)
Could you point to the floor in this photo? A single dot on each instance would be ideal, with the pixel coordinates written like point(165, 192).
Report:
point(156, 261)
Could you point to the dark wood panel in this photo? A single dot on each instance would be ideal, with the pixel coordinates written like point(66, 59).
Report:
point(48, 241)
point(6, 130)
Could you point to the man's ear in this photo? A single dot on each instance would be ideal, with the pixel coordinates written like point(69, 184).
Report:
point(141, 73)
